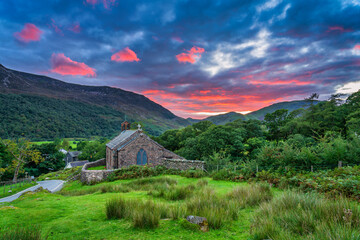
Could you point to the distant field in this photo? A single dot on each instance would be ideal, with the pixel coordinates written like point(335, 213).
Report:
point(72, 141)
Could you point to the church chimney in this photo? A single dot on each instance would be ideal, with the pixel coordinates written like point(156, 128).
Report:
point(125, 126)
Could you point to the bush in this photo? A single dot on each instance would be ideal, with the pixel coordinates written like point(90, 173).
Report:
point(23, 233)
point(193, 173)
point(224, 174)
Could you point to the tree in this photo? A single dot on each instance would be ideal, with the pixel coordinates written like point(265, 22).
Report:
point(22, 153)
point(53, 159)
point(65, 144)
point(276, 120)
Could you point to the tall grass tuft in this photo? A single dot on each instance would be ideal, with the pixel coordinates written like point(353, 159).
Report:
point(251, 196)
point(117, 208)
point(202, 183)
point(307, 216)
point(147, 216)
point(23, 233)
point(217, 210)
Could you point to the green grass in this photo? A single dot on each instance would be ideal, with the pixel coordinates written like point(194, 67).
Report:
point(15, 188)
point(84, 217)
point(72, 141)
point(60, 175)
point(126, 209)
point(97, 168)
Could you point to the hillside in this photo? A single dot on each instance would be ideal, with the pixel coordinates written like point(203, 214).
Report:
point(225, 118)
point(259, 114)
point(291, 106)
point(137, 107)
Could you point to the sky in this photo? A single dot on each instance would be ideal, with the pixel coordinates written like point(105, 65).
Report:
point(196, 58)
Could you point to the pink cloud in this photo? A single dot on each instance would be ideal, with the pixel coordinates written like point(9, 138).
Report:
point(191, 56)
point(65, 66)
point(56, 28)
point(177, 39)
point(75, 28)
point(357, 47)
point(106, 3)
point(338, 29)
point(125, 55)
point(29, 33)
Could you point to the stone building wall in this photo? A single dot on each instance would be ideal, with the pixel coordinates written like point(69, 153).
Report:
point(183, 164)
point(127, 156)
point(90, 176)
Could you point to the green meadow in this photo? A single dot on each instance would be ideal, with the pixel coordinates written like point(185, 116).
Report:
point(155, 208)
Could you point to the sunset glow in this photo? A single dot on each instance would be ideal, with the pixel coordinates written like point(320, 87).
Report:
point(196, 59)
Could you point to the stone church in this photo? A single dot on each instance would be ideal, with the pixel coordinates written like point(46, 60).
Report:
point(133, 147)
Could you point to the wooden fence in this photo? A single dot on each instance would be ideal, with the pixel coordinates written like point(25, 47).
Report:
point(6, 186)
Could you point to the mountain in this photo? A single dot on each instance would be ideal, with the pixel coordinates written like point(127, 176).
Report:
point(79, 102)
point(290, 106)
point(222, 119)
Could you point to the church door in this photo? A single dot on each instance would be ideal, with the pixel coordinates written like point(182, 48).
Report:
point(141, 157)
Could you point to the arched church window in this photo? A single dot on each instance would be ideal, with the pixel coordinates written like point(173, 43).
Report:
point(141, 157)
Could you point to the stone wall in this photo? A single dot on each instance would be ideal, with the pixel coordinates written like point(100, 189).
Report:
point(183, 164)
point(91, 176)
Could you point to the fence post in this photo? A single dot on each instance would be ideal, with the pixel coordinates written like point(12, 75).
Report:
point(340, 164)
point(234, 168)
point(312, 168)
point(257, 168)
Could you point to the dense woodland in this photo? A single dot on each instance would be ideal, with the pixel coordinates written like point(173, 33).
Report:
point(38, 118)
point(320, 136)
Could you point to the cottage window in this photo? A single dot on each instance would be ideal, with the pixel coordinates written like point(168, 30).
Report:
point(141, 157)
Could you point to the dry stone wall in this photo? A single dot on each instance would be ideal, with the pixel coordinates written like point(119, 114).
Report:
point(183, 164)
point(92, 176)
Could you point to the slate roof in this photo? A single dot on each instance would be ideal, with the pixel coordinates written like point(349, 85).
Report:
point(122, 139)
point(76, 164)
point(75, 153)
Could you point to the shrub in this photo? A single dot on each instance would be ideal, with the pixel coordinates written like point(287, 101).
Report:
point(23, 233)
point(224, 174)
point(193, 173)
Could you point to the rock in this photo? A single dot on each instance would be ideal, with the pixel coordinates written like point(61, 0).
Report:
point(9, 191)
point(201, 221)
point(47, 178)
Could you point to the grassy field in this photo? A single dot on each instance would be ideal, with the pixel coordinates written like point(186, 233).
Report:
point(80, 212)
point(97, 168)
point(15, 188)
point(73, 142)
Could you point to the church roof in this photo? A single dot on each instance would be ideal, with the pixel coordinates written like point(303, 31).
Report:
point(120, 139)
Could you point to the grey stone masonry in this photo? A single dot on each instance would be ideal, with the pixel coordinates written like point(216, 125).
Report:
point(182, 164)
point(91, 176)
